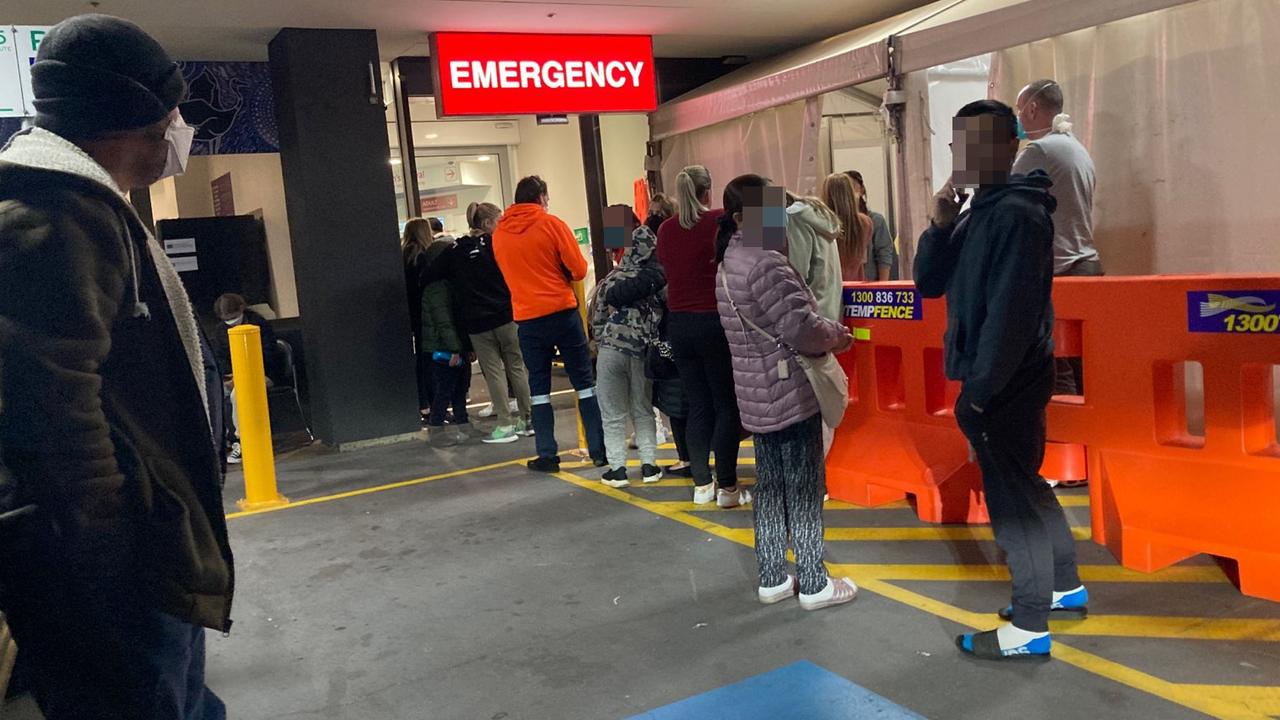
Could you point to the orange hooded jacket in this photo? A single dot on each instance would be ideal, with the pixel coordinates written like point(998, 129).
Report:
point(539, 258)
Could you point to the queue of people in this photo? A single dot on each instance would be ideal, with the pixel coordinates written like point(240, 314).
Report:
point(109, 405)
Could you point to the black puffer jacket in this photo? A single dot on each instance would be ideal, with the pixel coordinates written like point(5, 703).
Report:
point(102, 424)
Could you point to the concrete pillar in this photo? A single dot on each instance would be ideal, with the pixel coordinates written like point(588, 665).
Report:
point(342, 218)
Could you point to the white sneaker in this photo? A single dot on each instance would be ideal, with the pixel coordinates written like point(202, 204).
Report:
point(487, 411)
point(234, 457)
point(704, 494)
point(837, 592)
point(785, 591)
point(727, 499)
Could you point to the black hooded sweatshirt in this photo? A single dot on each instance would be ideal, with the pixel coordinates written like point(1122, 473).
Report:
point(482, 294)
point(995, 265)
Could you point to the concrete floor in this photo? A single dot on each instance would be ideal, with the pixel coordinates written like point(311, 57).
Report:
point(504, 595)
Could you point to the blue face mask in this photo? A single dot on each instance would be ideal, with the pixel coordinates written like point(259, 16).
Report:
point(1022, 132)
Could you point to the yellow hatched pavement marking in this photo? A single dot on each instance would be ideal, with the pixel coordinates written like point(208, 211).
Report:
point(579, 464)
point(1206, 574)
point(746, 536)
point(681, 482)
point(1173, 692)
point(830, 505)
point(1149, 626)
point(1260, 699)
point(1179, 628)
point(1225, 708)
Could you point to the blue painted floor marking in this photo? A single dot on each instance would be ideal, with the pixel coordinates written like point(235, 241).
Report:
point(800, 691)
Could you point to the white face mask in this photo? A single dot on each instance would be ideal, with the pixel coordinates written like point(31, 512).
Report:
point(179, 136)
point(234, 321)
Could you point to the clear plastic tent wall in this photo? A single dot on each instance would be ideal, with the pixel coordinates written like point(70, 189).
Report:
point(1178, 109)
point(780, 143)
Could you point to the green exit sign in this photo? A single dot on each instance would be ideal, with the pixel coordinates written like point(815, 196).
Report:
point(583, 235)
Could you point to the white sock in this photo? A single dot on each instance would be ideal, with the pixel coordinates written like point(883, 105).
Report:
point(827, 591)
point(1057, 596)
point(1012, 637)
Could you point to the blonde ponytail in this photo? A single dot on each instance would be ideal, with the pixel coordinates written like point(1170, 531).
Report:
point(691, 184)
point(480, 212)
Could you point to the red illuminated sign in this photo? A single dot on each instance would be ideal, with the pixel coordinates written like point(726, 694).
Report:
point(436, 203)
point(511, 73)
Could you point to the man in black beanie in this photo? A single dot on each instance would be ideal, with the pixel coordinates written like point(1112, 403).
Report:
point(113, 544)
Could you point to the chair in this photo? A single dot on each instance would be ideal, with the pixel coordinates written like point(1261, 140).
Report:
point(283, 401)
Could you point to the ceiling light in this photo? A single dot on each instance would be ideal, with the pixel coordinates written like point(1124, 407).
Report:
point(395, 161)
point(431, 136)
point(483, 158)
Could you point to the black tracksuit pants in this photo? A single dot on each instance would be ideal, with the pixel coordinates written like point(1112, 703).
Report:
point(1008, 438)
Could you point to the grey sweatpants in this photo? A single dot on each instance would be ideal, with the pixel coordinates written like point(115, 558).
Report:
point(503, 366)
point(1026, 517)
point(625, 392)
point(790, 481)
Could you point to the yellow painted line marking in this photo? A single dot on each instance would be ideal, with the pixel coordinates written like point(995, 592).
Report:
point(830, 505)
point(636, 463)
point(1180, 628)
point(679, 482)
point(1258, 698)
point(1180, 694)
point(1188, 696)
point(746, 536)
point(376, 489)
point(623, 496)
point(1225, 702)
point(1207, 574)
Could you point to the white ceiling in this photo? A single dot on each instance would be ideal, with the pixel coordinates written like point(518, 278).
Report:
point(241, 29)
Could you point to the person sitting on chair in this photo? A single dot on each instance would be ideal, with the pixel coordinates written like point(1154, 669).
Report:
point(234, 311)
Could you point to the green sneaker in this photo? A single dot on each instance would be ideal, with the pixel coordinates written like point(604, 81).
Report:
point(502, 435)
point(524, 428)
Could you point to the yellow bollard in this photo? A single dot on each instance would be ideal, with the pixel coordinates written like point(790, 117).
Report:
point(579, 290)
point(255, 422)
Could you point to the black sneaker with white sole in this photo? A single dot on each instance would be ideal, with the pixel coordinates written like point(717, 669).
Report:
point(651, 473)
point(616, 478)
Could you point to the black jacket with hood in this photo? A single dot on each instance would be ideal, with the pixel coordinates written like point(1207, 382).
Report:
point(995, 265)
point(104, 426)
point(484, 300)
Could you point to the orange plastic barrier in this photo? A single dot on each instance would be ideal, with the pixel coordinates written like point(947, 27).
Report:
point(1161, 489)
point(899, 436)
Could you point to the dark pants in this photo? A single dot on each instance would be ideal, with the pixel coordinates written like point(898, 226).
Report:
point(1028, 522)
point(706, 370)
point(451, 386)
point(1069, 371)
point(96, 650)
point(680, 429)
point(790, 477)
point(426, 380)
point(539, 340)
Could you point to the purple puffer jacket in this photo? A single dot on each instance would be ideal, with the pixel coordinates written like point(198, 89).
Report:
point(769, 292)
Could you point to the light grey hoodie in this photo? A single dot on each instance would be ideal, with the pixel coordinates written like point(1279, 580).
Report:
point(812, 251)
